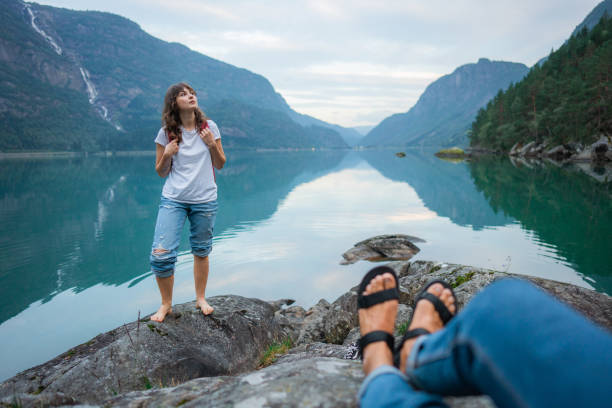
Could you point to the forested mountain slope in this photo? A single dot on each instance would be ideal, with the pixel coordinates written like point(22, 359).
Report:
point(444, 112)
point(566, 99)
point(84, 80)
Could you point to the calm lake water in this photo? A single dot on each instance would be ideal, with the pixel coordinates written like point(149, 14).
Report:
point(75, 234)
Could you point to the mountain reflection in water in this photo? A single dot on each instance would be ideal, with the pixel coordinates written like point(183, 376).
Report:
point(75, 234)
point(72, 224)
point(562, 206)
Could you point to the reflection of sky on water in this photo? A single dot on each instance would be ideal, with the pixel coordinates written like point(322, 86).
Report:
point(294, 253)
point(302, 242)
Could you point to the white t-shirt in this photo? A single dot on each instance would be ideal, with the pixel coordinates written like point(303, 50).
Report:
point(191, 179)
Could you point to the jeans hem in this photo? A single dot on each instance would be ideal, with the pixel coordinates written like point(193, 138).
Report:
point(411, 360)
point(201, 253)
point(163, 274)
point(384, 369)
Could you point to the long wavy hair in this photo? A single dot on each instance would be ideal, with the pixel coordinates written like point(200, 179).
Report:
point(171, 118)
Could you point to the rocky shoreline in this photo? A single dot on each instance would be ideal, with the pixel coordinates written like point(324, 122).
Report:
point(594, 160)
point(192, 360)
point(599, 152)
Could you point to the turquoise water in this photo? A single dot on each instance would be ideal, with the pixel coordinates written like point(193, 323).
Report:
point(75, 233)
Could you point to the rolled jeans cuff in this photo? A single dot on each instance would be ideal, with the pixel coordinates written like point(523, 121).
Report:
point(411, 361)
point(163, 273)
point(384, 369)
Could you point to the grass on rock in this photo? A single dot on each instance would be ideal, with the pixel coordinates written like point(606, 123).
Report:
point(274, 351)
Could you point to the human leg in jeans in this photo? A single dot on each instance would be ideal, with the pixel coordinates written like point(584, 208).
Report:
point(167, 237)
point(202, 220)
point(385, 385)
point(520, 346)
point(514, 343)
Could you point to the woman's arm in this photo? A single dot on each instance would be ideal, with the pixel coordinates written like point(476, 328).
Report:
point(217, 154)
point(163, 157)
point(214, 147)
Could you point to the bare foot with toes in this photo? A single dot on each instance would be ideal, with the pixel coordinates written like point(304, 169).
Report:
point(161, 313)
point(426, 317)
point(203, 305)
point(378, 317)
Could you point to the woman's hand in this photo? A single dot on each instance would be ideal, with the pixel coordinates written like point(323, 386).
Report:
point(171, 148)
point(207, 137)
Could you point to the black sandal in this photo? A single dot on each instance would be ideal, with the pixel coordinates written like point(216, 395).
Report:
point(366, 301)
point(443, 312)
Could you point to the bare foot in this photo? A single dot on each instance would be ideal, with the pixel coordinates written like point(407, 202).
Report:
point(426, 317)
point(378, 317)
point(161, 313)
point(203, 305)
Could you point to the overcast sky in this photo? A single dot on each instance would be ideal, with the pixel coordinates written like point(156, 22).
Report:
point(354, 62)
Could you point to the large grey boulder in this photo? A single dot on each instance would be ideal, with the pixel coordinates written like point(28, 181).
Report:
point(305, 380)
point(145, 354)
point(314, 375)
point(383, 248)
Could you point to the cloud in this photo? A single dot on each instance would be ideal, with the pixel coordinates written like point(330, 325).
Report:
point(366, 69)
point(257, 39)
point(387, 51)
point(193, 8)
point(327, 9)
point(359, 93)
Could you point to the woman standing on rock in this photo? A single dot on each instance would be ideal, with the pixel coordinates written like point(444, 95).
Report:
point(188, 146)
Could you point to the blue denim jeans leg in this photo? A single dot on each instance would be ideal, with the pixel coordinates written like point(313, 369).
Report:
point(169, 226)
point(516, 344)
point(387, 387)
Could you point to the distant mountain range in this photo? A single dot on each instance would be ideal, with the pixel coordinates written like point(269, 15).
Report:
point(444, 112)
point(84, 80)
point(363, 130)
point(443, 115)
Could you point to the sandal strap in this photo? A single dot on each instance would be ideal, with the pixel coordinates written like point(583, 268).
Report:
point(365, 301)
point(410, 334)
point(440, 307)
point(375, 336)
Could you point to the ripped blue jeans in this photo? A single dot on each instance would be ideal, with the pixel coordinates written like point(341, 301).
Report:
point(169, 226)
